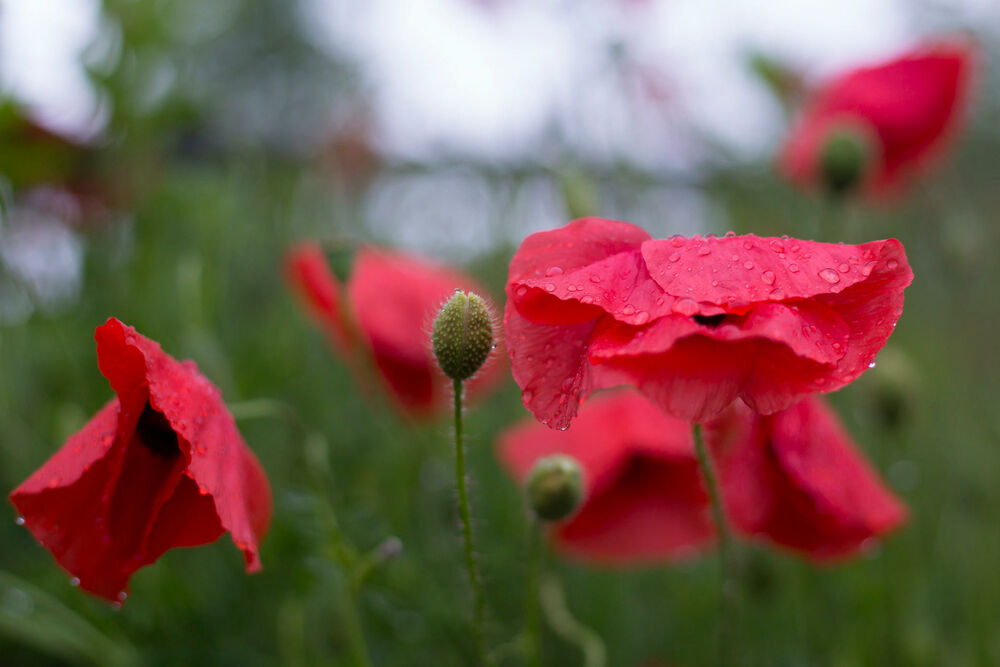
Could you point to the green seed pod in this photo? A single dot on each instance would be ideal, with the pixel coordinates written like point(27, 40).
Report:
point(844, 159)
point(554, 487)
point(462, 335)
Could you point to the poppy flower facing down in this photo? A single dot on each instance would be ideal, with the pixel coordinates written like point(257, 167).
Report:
point(160, 466)
point(391, 300)
point(902, 112)
point(793, 478)
point(694, 323)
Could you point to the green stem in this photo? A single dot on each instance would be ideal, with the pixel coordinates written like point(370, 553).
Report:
point(478, 600)
point(532, 644)
point(553, 602)
point(727, 648)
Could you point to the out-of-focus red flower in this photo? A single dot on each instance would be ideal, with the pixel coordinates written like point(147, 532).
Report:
point(796, 478)
point(694, 323)
point(793, 478)
point(391, 300)
point(160, 466)
point(907, 108)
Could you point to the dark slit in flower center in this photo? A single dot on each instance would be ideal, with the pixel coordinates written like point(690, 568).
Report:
point(155, 432)
point(710, 320)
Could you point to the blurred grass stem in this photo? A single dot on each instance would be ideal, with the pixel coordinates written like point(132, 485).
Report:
point(552, 599)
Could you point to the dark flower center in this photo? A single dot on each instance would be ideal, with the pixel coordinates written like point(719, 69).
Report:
point(710, 320)
point(155, 432)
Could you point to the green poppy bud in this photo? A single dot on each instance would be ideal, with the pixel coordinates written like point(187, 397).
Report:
point(462, 335)
point(844, 159)
point(554, 487)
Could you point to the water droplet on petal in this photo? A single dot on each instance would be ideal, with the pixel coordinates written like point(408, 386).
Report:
point(628, 309)
point(867, 269)
point(830, 276)
point(549, 287)
point(19, 520)
point(587, 299)
point(686, 307)
point(892, 264)
point(522, 290)
point(777, 294)
point(554, 271)
point(704, 250)
point(641, 317)
point(844, 268)
point(748, 265)
point(594, 278)
point(793, 268)
point(777, 246)
point(527, 395)
point(74, 581)
point(871, 364)
point(768, 277)
point(674, 257)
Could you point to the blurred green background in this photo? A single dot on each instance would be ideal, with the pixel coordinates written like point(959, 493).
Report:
point(215, 150)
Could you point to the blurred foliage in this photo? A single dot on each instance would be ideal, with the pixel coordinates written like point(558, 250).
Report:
point(217, 156)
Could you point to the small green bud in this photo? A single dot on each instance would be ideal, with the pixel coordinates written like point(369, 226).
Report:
point(462, 335)
point(554, 487)
point(844, 159)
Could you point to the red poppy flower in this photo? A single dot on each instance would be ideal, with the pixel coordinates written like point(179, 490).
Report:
point(792, 478)
point(796, 478)
point(392, 299)
point(906, 109)
point(161, 466)
point(694, 323)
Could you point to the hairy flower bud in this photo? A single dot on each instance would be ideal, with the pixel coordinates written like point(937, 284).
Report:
point(554, 487)
point(844, 159)
point(462, 335)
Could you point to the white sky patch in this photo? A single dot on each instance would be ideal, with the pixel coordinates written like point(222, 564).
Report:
point(40, 46)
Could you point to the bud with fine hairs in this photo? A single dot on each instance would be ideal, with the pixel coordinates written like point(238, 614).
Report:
point(554, 487)
point(463, 335)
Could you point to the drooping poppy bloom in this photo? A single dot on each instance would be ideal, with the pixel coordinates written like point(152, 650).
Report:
point(386, 314)
point(694, 323)
point(904, 111)
point(793, 479)
point(160, 466)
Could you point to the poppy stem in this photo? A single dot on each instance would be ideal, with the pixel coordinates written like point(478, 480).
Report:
point(478, 599)
point(726, 650)
point(536, 554)
point(552, 599)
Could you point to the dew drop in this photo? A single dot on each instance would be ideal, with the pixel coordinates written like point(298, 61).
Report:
point(892, 264)
point(704, 250)
point(677, 240)
point(549, 287)
point(628, 309)
point(527, 395)
point(522, 290)
point(674, 257)
point(837, 346)
point(74, 581)
point(871, 364)
point(730, 234)
point(867, 269)
point(554, 271)
point(641, 317)
point(768, 277)
point(748, 245)
point(594, 278)
point(587, 299)
point(748, 265)
point(19, 520)
point(844, 268)
point(793, 268)
point(830, 276)
point(777, 246)
point(777, 294)
point(686, 307)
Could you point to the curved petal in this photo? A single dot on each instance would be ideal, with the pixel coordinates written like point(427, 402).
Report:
point(309, 273)
point(795, 478)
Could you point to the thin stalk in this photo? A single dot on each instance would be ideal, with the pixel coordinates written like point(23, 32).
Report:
point(727, 648)
point(478, 599)
point(532, 645)
point(552, 599)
